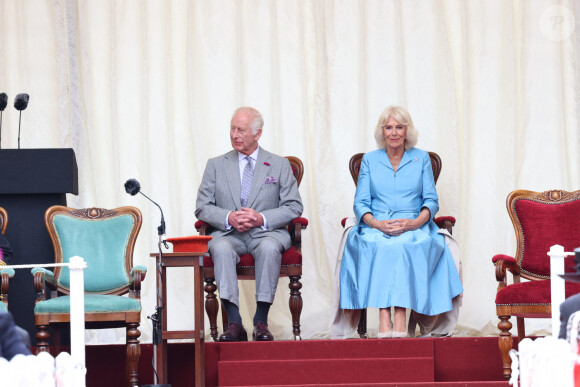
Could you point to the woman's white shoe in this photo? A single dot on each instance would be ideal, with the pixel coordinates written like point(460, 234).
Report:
point(385, 335)
point(399, 335)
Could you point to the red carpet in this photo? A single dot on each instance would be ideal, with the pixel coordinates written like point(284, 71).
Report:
point(461, 361)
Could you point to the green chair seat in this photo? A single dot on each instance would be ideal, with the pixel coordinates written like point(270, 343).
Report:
point(94, 303)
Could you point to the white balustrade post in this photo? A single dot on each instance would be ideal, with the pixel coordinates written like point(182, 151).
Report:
point(558, 294)
point(77, 319)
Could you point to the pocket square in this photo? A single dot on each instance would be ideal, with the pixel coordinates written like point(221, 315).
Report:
point(270, 180)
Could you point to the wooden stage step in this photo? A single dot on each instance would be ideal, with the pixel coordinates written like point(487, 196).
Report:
point(406, 362)
point(455, 361)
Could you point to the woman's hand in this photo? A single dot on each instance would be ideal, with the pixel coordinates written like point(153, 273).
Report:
point(395, 227)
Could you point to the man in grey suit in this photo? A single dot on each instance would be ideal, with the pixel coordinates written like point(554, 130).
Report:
point(248, 196)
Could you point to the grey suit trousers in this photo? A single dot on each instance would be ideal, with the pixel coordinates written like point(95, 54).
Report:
point(226, 251)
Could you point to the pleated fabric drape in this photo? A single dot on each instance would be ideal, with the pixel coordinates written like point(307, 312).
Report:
point(146, 89)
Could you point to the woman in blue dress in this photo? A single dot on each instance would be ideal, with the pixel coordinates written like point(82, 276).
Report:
point(395, 257)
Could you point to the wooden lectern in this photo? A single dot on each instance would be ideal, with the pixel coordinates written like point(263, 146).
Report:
point(31, 180)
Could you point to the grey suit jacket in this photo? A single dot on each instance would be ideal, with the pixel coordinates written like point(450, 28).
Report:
point(274, 193)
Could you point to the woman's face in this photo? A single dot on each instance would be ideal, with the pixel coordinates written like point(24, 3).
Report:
point(394, 133)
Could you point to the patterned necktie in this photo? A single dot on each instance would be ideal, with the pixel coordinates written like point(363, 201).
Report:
point(247, 181)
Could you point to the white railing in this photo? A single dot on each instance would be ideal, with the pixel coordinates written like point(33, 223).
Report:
point(76, 266)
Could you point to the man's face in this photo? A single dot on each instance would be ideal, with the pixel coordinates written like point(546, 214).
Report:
point(243, 140)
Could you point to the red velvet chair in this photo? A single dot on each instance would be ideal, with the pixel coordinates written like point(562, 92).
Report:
point(541, 220)
point(291, 267)
point(446, 222)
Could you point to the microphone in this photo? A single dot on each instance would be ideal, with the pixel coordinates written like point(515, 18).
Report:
point(3, 104)
point(132, 187)
point(3, 101)
point(21, 103)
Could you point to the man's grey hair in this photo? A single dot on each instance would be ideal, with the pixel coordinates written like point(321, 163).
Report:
point(257, 122)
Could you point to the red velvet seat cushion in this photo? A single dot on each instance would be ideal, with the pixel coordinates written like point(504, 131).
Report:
point(289, 257)
point(544, 225)
point(531, 293)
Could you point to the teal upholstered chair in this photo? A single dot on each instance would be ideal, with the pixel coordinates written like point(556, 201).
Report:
point(105, 239)
point(5, 274)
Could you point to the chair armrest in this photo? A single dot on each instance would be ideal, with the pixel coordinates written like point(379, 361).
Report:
point(202, 227)
point(137, 275)
point(6, 275)
point(42, 277)
point(9, 272)
point(509, 261)
point(446, 222)
point(143, 270)
point(303, 222)
point(503, 263)
point(295, 229)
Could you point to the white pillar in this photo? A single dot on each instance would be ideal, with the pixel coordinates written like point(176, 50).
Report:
point(77, 319)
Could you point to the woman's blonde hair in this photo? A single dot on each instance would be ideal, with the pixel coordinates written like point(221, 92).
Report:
point(404, 118)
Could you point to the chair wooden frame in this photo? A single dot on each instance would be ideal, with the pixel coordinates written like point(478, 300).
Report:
point(513, 265)
point(5, 277)
point(128, 319)
point(446, 222)
point(293, 272)
point(3, 220)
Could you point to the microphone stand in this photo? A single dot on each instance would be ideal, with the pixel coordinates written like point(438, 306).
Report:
point(155, 318)
point(1, 128)
point(19, 120)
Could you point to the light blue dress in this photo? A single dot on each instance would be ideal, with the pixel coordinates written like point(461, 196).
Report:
point(414, 270)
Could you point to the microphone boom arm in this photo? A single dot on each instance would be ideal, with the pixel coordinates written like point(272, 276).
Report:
point(161, 228)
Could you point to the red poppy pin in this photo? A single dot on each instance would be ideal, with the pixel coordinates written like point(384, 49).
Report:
point(266, 163)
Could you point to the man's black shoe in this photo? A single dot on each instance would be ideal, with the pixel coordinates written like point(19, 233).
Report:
point(235, 332)
point(261, 332)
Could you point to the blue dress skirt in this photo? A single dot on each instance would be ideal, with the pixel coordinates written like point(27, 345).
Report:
point(414, 270)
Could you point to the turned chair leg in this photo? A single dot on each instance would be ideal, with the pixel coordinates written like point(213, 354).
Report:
point(133, 353)
point(362, 324)
point(42, 337)
point(211, 306)
point(505, 344)
point(295, 304)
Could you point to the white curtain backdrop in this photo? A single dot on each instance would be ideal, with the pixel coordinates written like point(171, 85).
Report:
point(146, 89)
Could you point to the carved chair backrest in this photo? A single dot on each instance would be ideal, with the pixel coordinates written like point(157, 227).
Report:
point(3, 220)
point(297, 168)
point(541, 220)
point(355, 161)
point(105, 239)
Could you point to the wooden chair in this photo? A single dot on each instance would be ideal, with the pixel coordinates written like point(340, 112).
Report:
point(446, 222)
point(5, 274)
point(105, 239)
point(3, 220)
point(540, 220)
point(291, 267)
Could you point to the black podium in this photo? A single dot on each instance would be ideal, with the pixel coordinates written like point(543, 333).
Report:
point(31, 180)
